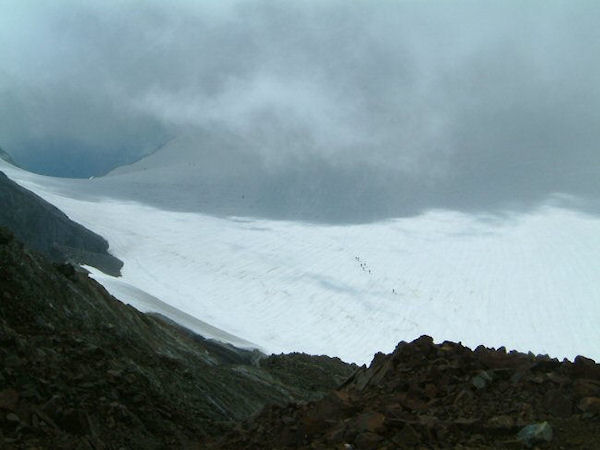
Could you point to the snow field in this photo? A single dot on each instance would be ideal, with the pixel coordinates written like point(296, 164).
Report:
point(529, 281)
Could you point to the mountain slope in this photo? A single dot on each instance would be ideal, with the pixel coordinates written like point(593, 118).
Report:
point(79, 369)
point(48, 230)
point(441, 396)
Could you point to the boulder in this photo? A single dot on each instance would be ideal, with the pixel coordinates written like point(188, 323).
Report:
point(590, 405)
point(535, 433)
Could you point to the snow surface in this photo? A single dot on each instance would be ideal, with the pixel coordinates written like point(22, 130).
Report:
point(529, 281)
point(145, 302)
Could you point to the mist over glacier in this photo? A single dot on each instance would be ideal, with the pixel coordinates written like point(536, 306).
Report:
point(329, 111)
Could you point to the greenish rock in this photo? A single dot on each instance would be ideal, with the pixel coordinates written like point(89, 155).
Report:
point(535, 433)
point(481, 380)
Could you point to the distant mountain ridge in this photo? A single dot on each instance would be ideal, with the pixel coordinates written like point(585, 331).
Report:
point(48, 230)
point(6, 157)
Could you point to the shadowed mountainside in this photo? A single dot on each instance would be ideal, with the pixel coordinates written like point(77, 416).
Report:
point(79, 369)
point(48, 230)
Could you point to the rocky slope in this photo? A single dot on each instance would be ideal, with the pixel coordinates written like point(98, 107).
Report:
point(81, 370)
point(48, 230)
point(441, 396)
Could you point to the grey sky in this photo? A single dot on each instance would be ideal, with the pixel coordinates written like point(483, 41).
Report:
point(464, 104)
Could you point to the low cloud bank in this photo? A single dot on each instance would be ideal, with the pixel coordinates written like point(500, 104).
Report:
point(408, 104)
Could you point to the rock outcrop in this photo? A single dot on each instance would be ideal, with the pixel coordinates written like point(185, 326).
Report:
point(46, 229)
point(441, 396)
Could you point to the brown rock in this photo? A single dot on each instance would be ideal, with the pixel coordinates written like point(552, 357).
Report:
point(558, 379)
point(407, 436)
point(463, 397)
point(412, 402)
point(314, 425)
point(501, 422)
point(538, 379)
point(370, 421)
point(423, 341)
point(429, 421)
point(35, 421)
point(9, 399)
point(583, 361)
point(380, 372)
point(113, 375)
point(590, 405)
point(586, 367)
point(547, 364)
point(586, 388)
point(12, 417)
point(342, 396)
point(337, 434)
point(329, 408)
point(495, 360)
point(430, 390)
point(558, 404)
point(476, 440)
point(75, 421)
point(526, 414)
point(291, 438)
point(367, 441)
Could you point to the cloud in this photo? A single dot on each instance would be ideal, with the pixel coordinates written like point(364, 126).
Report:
point(461, 104)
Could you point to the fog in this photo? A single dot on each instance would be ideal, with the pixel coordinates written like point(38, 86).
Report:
point(401, 106)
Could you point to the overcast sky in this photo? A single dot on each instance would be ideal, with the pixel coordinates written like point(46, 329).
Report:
point(497, 102)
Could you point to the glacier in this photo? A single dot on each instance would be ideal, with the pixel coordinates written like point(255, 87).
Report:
point(527, 281)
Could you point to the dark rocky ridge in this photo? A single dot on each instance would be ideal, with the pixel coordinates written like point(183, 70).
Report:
point(430, 396)
point(48, 230)
point(81, 370)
